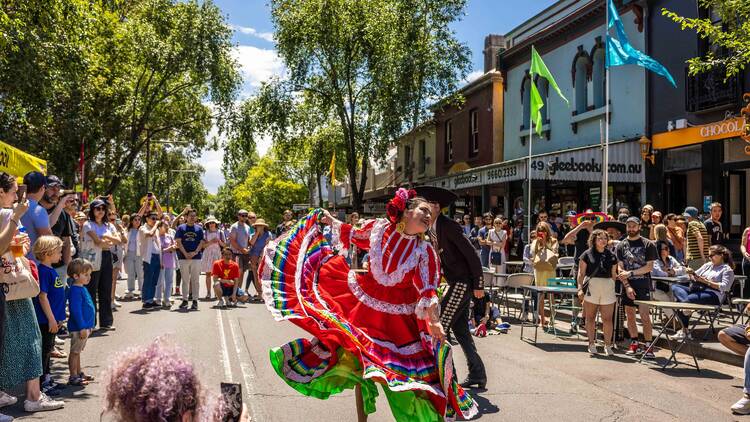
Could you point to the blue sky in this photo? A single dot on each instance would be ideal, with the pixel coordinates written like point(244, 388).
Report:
point(255, 50)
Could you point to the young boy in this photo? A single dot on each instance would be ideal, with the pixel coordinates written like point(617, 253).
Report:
point(227, 273)
point(82, 318)
point(49, 304)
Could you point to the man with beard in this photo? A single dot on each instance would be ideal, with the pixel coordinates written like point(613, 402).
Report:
point(60, 221)
point(463, 270)
point(636, 256)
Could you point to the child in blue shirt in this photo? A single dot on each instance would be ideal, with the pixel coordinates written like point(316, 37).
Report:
point(50, 303)
point(82, 318)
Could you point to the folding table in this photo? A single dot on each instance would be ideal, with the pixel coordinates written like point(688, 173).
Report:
point(573, 291)
point(702, 310)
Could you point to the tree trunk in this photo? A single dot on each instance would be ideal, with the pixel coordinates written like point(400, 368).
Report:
point(320, 189)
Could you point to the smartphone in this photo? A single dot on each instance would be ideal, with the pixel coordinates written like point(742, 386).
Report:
point(21, 192)
point(150, 194)
point(232, 394)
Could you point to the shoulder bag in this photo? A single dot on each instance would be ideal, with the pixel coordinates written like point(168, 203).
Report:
point(16, 279)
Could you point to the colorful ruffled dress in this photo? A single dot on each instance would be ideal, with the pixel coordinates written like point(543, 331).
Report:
point(368, 327)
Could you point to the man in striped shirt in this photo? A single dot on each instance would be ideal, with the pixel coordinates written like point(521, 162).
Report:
point(697, 239)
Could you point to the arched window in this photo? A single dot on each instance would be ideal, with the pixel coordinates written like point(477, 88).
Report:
point(525, 92)
point(580, 81)
point(543, 86)
point(598, 76)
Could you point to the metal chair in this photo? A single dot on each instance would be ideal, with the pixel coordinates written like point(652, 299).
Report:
point(516, 281)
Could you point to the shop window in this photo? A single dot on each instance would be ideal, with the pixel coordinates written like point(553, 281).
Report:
point(474, 132)
point(407, 160)
point(599, 78)
point(580, 80)
point(422, 156)
point(525, 98)
point(448, 141)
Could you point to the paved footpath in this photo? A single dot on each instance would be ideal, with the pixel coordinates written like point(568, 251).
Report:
point(554, 380)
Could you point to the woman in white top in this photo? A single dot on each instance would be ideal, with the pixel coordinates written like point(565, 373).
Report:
point(497, 237)
point(133, 261)
point(211, 253)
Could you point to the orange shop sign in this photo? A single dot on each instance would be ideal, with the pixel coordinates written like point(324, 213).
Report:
point(729, 128)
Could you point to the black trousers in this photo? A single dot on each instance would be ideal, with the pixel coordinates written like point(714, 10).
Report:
point(454, 315)
point(48, 344)
point(100, 289)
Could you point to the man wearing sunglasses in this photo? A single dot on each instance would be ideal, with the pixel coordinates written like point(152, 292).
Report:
point(61, 223)
point(36, 220)
point(240, 234)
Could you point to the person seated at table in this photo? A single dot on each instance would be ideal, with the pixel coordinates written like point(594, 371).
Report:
point(665, 265)
point(709, 285)
point(596, 288)
point(737, 339)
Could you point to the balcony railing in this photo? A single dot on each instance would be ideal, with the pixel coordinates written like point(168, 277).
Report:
point(708, 91)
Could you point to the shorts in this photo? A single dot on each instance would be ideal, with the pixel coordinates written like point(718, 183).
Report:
point(227, 291)
point(243, 260)
point(642, 292)
point(76, 344)
point(601, 291)
point(737, 333)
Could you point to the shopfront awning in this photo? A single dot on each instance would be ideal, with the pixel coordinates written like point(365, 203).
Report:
point(729, 128)
point(585, 164)
point(17, 163)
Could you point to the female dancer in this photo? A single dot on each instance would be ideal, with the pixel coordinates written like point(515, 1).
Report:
point(381, 325)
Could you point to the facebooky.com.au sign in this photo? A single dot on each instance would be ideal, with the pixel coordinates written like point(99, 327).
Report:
point(625, 164)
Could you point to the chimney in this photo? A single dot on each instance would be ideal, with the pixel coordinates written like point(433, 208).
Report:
point(493, 44)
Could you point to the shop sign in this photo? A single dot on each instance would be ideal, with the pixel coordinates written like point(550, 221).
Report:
point(729, 128)
point(467, 180)
point(625, 165)
point(505, 173)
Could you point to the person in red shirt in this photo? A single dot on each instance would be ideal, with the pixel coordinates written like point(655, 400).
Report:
point(227, 274)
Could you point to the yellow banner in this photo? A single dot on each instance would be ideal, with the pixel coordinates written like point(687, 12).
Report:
point(18, 163)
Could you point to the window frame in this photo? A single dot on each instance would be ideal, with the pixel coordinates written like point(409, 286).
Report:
point(448, 141)
point(474, 131)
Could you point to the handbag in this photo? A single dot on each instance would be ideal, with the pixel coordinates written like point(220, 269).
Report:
point(16, 279)
point(545, 259)
point(93, 254)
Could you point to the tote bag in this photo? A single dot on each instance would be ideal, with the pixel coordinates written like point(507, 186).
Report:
point(16, 279)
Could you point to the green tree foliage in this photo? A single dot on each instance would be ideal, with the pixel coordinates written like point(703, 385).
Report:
point(268, 190)
point(115, 75)
point(372, 65)
point(731, 36)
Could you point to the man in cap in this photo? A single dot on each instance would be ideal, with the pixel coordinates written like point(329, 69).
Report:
point(463, 270)
point(697, 239)
point(60, 221)
point(36, 220)
point(636, 256)
point(240, 234)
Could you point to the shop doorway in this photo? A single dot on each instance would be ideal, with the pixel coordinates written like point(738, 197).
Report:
point(675, 192)
point(737, 203)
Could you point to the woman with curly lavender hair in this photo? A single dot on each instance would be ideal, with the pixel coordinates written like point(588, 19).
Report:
point(157, 382)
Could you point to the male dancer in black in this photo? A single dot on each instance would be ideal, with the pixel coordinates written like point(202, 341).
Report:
point(463, 271)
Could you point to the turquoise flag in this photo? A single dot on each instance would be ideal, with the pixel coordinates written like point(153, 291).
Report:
point(620, 52)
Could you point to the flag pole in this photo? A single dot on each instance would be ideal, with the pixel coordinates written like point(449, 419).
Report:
point(605, 159)
point(528, 169)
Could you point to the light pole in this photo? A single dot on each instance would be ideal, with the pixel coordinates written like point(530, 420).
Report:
point(169, 184)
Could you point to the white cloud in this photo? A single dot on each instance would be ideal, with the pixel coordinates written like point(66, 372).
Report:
point(473, 75)
point(211, 161)
point(257, 64)
point(268, 36)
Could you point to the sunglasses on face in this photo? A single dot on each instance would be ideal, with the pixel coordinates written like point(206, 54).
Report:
point(243, 215)
point(151, 218)
point(99, 209)
point(252, 217)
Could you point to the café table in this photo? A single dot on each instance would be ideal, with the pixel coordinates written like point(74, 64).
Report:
point(572, 291)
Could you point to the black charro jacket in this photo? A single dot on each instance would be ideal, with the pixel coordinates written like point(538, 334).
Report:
point(458, 258)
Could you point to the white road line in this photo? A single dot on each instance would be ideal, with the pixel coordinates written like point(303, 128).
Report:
point(224, 347)
point(248, 372)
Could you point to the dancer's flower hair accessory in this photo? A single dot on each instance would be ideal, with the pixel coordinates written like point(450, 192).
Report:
point(397, 204)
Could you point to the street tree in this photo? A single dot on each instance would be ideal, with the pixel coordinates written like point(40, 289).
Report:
point(731, 35)
point(373, 65)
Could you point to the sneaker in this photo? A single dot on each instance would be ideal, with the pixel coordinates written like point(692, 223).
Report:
point(592, 349)
point(42, 405)
point(7, 400)
point(608, 351)
point(5, 418)
point(51, 390)
point(59, 341)
point(58, 354)
point(742, 407)
point(195, 306)
point(649, 354)
point(221, 303)
point(128, 295)
point(679, 336)
point(184, 304)
point(632, 349)
point(166, 304)
point(116, 304)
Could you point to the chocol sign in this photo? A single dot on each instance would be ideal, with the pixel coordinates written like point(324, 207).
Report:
point(727, 127)
point(724, 129)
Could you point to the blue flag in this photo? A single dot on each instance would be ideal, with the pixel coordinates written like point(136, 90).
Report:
point(620, 52)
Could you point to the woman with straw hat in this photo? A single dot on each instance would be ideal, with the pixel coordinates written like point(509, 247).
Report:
point(257, 244)
point(215, 242)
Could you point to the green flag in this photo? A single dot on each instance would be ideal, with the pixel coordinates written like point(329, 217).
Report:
point(539, 68)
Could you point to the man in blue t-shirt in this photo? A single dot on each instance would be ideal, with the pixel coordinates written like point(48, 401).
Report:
point(189, 238)
point(36, 220)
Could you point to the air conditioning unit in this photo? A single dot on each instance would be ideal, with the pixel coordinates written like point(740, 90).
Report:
point(680, 123)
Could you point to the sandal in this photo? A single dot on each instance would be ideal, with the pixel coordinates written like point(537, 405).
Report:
point(58, 354)
point(77, 381)
point(86, 377)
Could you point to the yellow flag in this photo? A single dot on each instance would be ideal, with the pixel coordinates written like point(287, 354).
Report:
point(333, 169)
point(18, 163)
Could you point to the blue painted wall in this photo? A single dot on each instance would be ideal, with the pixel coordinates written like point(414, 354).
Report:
point(627, 98)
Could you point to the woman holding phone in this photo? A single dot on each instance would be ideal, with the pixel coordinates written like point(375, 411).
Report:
point(497, 238)
point(544, 255)
point(596, 288)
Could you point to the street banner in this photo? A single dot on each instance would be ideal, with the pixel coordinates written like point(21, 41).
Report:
point(18, 163)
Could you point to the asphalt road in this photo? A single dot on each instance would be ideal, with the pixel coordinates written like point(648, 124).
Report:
point(553, 380)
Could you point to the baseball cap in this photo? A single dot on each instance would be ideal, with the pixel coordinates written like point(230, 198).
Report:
point(34, 180)
point(635, 220)
point(242, 212)
point(691, 212)
point(96, 203)
point(53, 181)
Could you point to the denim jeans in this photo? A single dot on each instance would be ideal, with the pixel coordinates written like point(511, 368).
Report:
point(134, 268)
point(484, 256)
point(150, 278)
point(683, 294)
point(166, 279)
point(747, 372)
